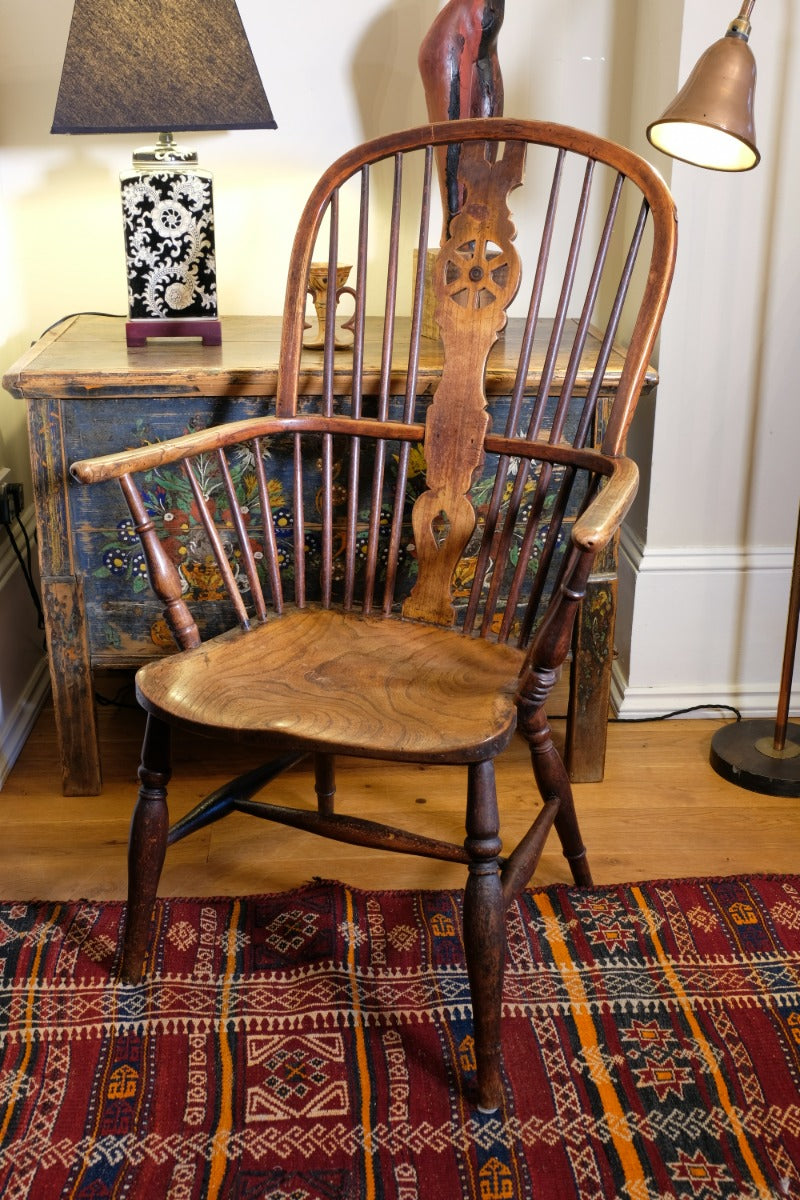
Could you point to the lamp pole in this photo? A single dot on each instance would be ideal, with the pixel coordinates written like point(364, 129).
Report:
point(782, 719)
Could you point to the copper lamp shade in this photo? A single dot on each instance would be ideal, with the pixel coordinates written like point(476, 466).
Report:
point(710, 122)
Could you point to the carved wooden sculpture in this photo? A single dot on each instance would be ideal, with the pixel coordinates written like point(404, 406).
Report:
point(461, 77)
point(458, 61)
point(404, 573)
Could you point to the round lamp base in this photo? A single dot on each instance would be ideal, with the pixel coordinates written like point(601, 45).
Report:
point(744, 754)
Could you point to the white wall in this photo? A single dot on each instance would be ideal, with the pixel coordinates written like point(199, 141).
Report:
point(713, 530)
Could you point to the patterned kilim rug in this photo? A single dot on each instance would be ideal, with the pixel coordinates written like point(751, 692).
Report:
point(317, 1045)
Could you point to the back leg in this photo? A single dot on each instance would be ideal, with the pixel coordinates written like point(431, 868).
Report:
point(325, 783)
point(553, 782)
point(147, 845)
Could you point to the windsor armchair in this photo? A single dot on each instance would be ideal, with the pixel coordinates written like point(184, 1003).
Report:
point(406, 589)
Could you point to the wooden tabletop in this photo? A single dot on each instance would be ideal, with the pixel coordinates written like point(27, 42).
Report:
point(86, 357)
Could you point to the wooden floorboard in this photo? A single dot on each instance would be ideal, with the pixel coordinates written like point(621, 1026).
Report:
point(660, 812)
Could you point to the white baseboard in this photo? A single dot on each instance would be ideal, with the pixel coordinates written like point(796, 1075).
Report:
point(709, 700)
point(18, 723)
point(671, 560)
point(700, 626)
point(24, 674)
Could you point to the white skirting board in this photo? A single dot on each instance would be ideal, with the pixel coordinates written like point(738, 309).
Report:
point(701, 625)
point(24, 675)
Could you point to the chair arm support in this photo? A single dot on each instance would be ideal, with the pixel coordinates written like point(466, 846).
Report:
point(597, 525)
point(593, 530)
point(599, 522)
point(204, 441)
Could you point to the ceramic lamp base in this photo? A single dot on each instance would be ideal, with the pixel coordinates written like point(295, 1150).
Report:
point(168, 219)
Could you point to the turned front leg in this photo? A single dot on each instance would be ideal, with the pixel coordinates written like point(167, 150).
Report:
point(484, 931)
point(147, 846)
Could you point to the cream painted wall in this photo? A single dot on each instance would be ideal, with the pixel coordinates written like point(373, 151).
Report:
point(336, 74)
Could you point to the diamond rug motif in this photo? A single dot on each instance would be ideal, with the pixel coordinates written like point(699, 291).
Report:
point(317, 1045)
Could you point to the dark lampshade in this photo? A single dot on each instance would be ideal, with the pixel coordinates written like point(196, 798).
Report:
point(148, 66)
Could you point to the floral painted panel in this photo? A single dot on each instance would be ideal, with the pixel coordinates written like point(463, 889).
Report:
point(125, 616)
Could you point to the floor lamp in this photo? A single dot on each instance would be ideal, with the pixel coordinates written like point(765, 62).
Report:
point(710, 124)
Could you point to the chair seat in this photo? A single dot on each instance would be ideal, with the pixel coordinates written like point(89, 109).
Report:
point(345, 683)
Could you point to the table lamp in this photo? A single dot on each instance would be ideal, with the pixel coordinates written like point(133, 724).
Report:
point(710, 122)
point(161, 66)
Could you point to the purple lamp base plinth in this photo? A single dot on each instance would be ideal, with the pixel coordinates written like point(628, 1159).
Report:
point(209, 329)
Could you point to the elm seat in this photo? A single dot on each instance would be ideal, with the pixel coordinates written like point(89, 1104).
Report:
point(358, 685)
point(403, 568)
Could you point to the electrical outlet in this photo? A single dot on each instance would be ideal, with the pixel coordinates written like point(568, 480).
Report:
point(11, 499)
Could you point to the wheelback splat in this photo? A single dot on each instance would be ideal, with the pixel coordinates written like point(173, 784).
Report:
point(476, 277)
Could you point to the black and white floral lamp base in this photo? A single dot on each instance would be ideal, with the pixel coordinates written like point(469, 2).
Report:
point(168, 215)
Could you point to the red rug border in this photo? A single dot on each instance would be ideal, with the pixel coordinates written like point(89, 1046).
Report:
point(667, 881)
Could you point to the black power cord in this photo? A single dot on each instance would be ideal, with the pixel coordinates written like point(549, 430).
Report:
point(70, 316)
point(679, 712)
point(26, 563)
point(120, 699)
